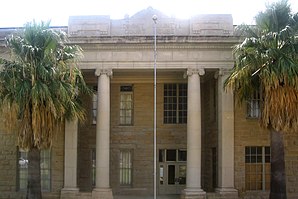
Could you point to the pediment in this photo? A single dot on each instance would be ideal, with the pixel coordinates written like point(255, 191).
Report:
point(148, 13)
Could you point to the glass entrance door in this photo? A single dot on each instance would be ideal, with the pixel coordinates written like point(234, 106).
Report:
point(176, 174)
point(172, 172)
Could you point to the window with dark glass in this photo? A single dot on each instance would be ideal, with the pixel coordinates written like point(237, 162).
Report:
point(181, 155)
point(172, 166)
point(172, 155)
point(175, 103)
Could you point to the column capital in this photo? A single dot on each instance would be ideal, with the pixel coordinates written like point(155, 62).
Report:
point(101, 71)
point(222, 72)
point(192, 71)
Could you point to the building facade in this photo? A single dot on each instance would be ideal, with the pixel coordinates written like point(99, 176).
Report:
point(207, 145)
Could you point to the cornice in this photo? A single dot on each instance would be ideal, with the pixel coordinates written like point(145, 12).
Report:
point(160, 65)
point(147, 42)
point(218, 46)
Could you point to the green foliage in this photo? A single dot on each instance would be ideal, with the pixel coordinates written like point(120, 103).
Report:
point(267, 60)
point(40, 85)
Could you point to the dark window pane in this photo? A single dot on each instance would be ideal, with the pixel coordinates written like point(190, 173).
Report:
point(253, 159)
point(182, 155)
point(127, 88)
point(174, 119)
point(161, 155)
point(259, 150)
point(267, 150)
point(183, 121)
point(171, 155)
point(253, 150)
point(259, 159)
point(171, 174)
point(247, 159)
point(267, 159)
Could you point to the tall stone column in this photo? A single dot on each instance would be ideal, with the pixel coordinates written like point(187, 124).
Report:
point(70, 159)
point(225, 138)
point(102, 189)
point(193, 169)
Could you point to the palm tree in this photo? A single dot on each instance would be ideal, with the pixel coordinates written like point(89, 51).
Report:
point(39, 88)
point(267, 61)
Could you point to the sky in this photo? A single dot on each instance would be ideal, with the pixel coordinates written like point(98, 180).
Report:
point(15, 13)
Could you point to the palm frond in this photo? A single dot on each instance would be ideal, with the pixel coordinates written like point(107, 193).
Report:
point(267, 60)
point(41, 85)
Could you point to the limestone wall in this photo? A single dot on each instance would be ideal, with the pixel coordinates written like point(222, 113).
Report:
point(9, 162)
point(248, 133)
point(8, 165)
point(137, 138)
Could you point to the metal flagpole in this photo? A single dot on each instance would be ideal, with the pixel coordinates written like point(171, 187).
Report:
point(154, 134)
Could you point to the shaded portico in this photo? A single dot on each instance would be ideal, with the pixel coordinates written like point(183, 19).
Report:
point(192, 50)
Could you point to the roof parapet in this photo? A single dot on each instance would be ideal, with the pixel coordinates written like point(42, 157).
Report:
point(141, 24)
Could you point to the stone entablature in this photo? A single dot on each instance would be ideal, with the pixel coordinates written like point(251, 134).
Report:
point(141, 24)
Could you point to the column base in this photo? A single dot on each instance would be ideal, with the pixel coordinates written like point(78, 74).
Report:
point(227, 192)
point(69, 192)
point(193, 194)
point(99, 193)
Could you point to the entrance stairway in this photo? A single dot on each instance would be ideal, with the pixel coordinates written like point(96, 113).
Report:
point(147, 197)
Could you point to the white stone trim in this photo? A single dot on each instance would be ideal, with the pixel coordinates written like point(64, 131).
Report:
point(108, 72)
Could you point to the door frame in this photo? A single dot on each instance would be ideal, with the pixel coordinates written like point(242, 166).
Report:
point(163, 173)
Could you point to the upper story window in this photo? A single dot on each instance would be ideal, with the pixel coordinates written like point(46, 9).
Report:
point(45, 170)
point(126, 105)
point(253, 105)
point(257, 167)
point(175, 103)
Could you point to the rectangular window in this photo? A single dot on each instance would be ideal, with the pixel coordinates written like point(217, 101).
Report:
point(45, 169)
point(253, 106)
point(126, 105)
point(175, 103)
point(94, 105)
point(125, 165)
point(257, 168)
point(172, 155)
point(182, 155)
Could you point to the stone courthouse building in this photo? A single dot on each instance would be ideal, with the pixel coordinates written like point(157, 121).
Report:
point(208, 146)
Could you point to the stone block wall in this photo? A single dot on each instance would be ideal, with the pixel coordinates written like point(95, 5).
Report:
point(249, 133)
point(138, 138)
point(9, 162)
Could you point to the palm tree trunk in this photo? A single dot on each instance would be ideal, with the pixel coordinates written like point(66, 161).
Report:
point(34, 178)
point(278, 174)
